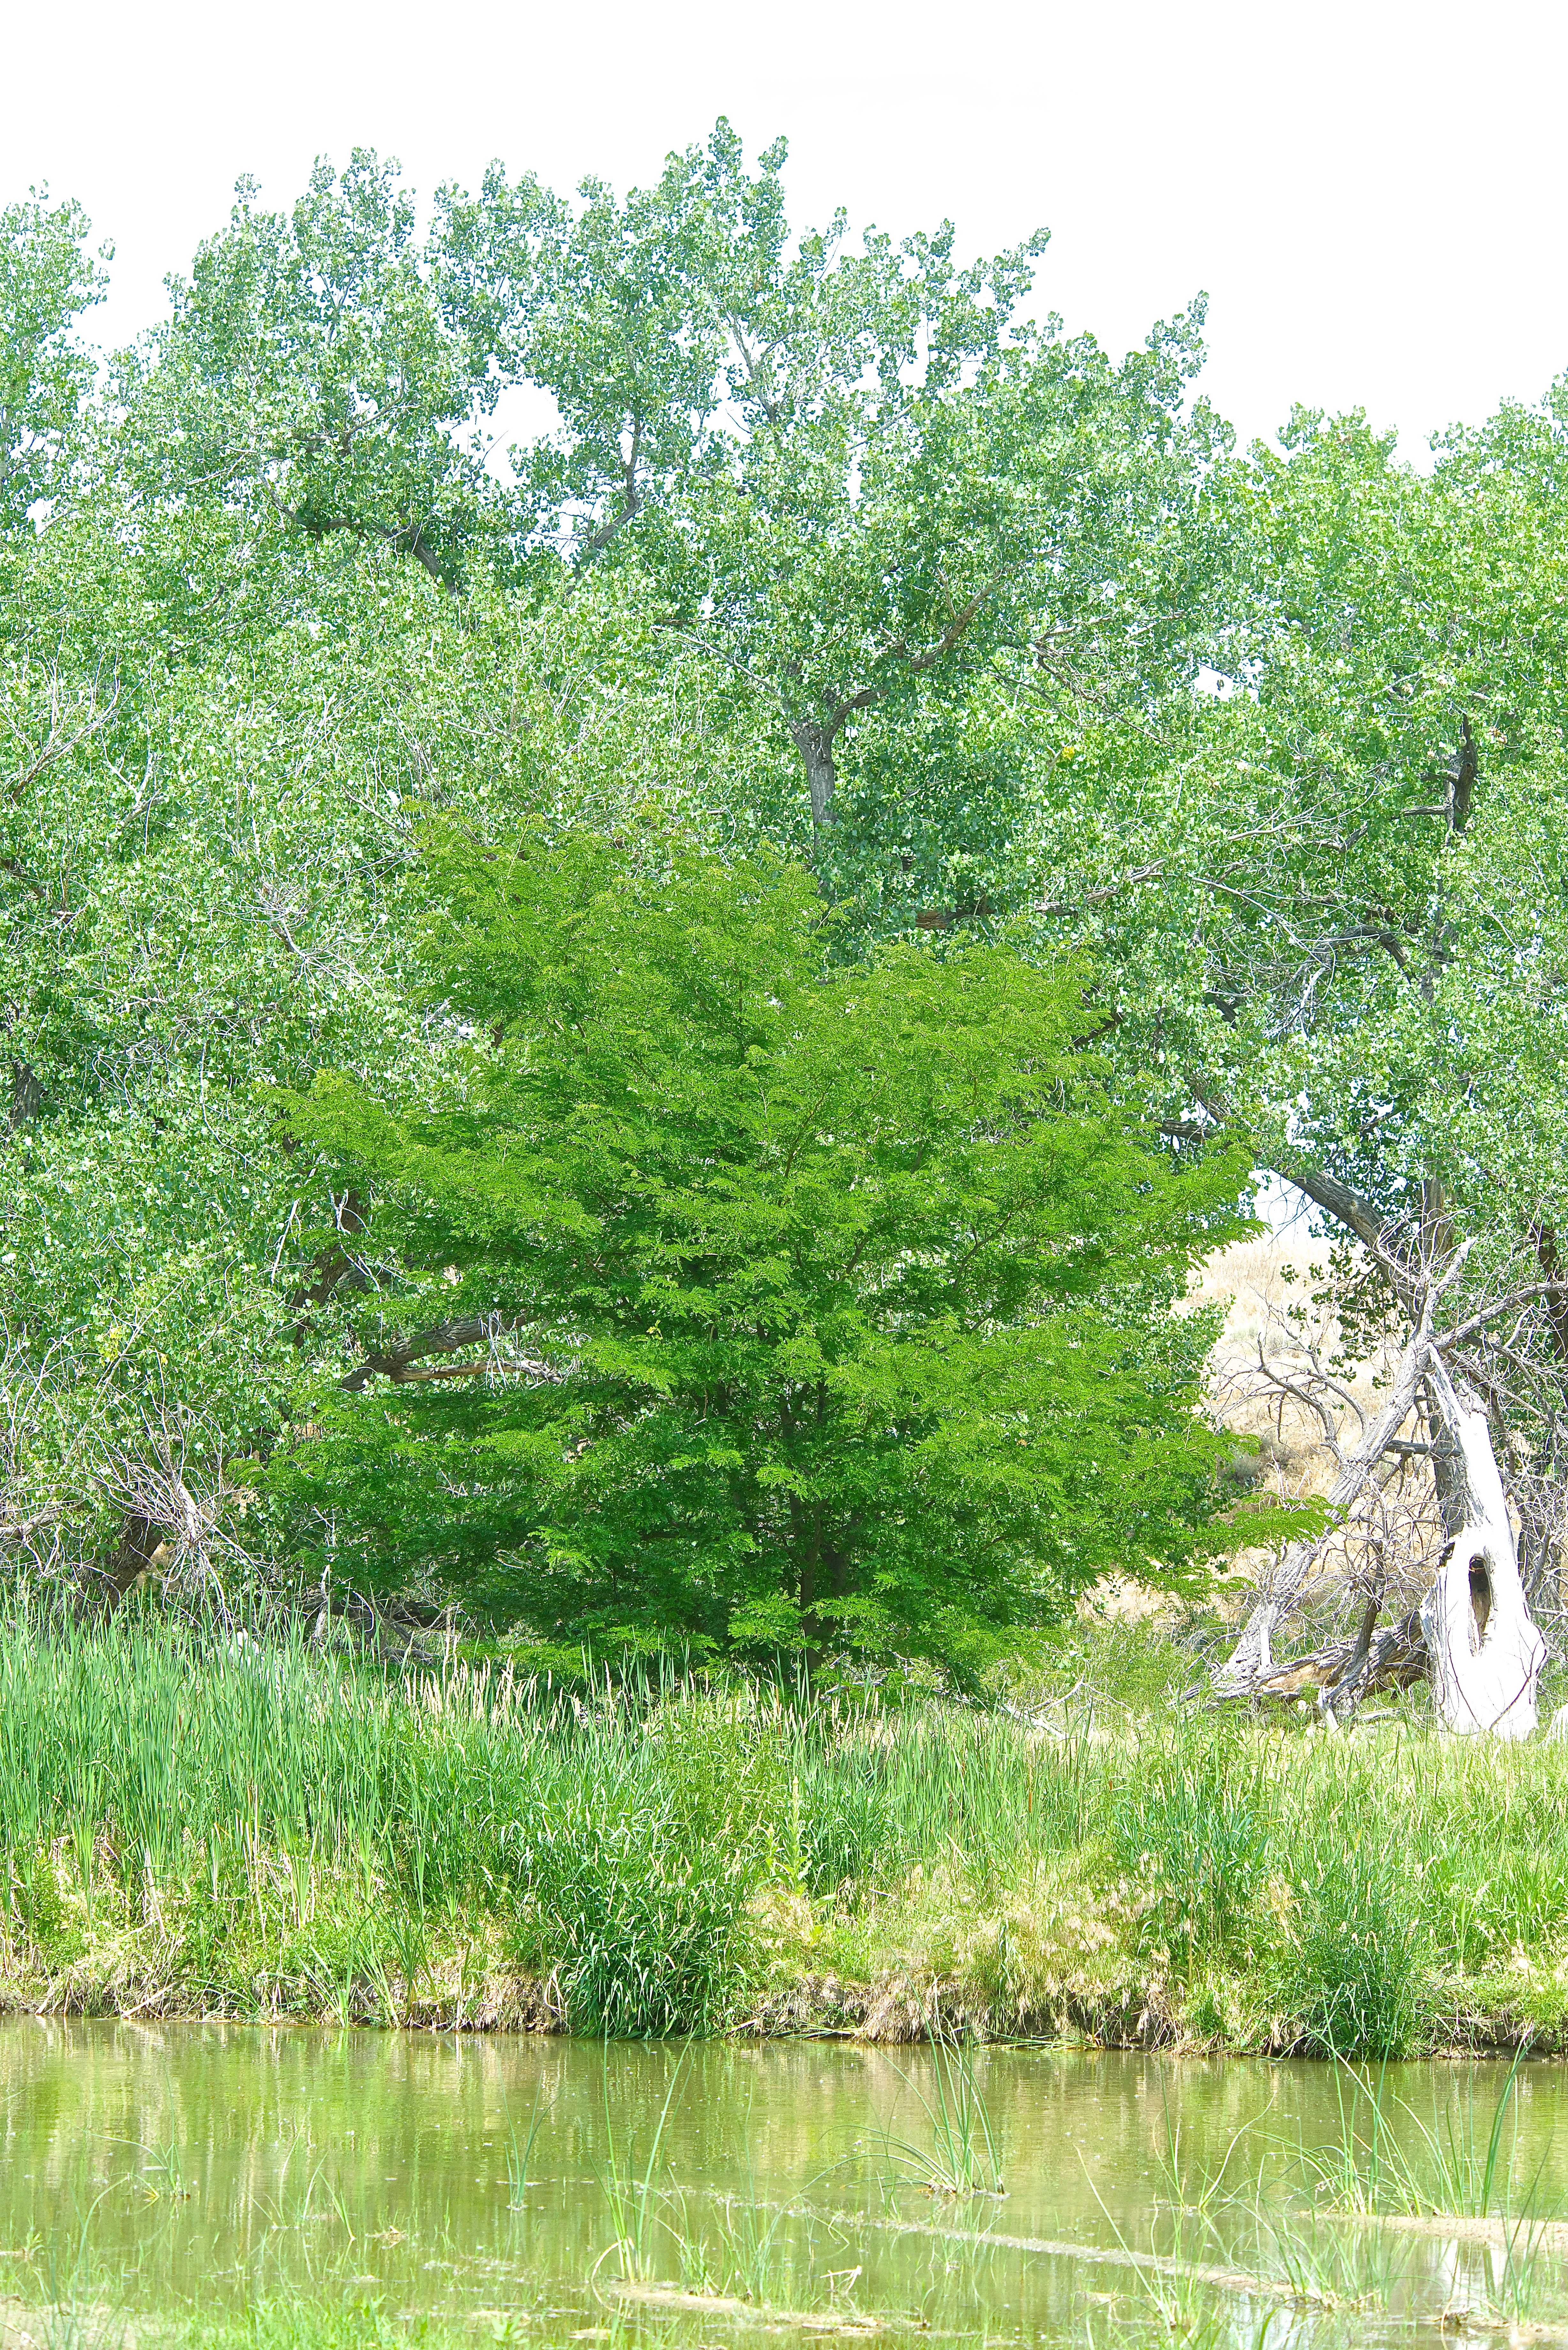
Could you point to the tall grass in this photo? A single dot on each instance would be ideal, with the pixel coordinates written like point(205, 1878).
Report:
point(957, 2153)
point(291, 1827)
point(261, 1829)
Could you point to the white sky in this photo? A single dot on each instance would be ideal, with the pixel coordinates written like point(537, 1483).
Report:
point(1373, 194)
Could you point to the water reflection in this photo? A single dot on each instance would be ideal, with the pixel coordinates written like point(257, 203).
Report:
point(168, 2165)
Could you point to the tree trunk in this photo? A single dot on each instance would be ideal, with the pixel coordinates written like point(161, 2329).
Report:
point(1483, 1653)
point(815, 745)
point(1486, 1653)
point(26, 1095)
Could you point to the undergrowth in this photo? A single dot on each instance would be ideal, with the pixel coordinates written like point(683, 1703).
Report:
point(262, 1830)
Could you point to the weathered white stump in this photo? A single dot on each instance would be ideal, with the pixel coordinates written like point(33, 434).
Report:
point(1486, 1652)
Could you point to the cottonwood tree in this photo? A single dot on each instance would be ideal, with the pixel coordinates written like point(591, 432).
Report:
point(47, 279)
point(324, 371)
point(869, 487)
point(1339, 917)
point(208, 828)
point(217, 730)
point(856, 495)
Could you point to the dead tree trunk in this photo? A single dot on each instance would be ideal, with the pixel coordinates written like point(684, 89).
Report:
point(1485, 1651)
point(1473, 1637)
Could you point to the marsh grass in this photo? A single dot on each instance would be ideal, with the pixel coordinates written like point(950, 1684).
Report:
point(1355, 1971)
point(520, 2154)
point(637, 2193)
point(1388, 2158)
point(959, 2153)
point(254, 1829)
point(280, 1835)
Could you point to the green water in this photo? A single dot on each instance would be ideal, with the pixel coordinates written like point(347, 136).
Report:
point(153, 2167)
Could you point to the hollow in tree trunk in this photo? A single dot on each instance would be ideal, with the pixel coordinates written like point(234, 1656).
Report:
point(1486, 1653)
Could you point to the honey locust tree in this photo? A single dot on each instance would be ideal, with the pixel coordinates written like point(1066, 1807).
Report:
point(808, 1306)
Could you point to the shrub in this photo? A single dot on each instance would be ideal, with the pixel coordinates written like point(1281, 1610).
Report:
point(832, 1305)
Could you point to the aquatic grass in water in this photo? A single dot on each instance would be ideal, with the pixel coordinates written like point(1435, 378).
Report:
point(1386, 2158)
point(520, 2155)
point(960, 2155)
point(714, 2156)
point(634, 2197)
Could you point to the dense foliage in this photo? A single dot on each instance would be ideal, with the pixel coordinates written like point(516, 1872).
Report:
point(825, 550)
point(823, 1303)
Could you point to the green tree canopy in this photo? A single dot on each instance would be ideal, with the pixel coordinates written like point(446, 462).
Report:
point(324, 371)
point(47, 278)
point(1338, 909)
point(828, 547)
point(823, 1306)
point(881, 498)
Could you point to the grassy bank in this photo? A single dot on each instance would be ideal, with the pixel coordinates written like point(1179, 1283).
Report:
point(259, 1832)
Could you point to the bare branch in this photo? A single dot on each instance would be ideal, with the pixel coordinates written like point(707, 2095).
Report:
point(59, 742)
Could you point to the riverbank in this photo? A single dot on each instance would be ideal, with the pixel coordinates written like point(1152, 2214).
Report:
point(264, 1833)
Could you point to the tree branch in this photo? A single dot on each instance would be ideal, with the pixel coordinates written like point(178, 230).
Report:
point(1508, 1305)
point(57, 743)
point(608, 530)
point(1462, 781)
point(1347, 1207)
point(1058, 909)
point(395, 1363)
point(441, 1339)
point(957, 628)
point(405, 538)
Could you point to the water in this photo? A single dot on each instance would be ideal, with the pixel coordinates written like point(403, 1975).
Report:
point(153, 2167)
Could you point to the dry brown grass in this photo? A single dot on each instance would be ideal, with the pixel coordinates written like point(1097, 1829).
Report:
point(1280, 1336)
point(1274, 1327)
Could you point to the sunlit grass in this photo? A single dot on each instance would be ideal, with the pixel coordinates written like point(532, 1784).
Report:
point(957, 2152)
point(249, 1829)
point(1389, 2159)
